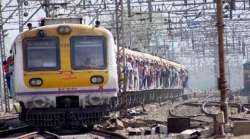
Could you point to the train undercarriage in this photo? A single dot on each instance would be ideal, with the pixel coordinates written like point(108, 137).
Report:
point(72, 116)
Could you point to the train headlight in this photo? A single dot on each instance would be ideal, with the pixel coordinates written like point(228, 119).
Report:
point(96, 79)
point(36, 82)
point(64, 30)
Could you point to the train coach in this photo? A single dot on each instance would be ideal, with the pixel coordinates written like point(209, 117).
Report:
point(65, 74)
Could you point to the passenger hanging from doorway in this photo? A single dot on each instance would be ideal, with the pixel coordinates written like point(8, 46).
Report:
point(7, 77)
point(10, 61)
point(129, 71)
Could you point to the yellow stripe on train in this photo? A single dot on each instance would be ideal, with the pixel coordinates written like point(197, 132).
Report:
point(66, 76)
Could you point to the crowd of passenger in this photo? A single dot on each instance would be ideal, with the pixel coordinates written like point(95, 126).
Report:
point(140, 73)
point(143, 74)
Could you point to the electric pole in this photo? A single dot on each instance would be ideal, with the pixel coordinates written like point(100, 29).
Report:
point(122, 82)
point(20, 15)
point(221, 81)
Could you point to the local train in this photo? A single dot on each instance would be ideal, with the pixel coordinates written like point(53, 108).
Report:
point(67, 73)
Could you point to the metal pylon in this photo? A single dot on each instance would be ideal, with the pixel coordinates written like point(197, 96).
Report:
point(3, 82)
point(121, 53)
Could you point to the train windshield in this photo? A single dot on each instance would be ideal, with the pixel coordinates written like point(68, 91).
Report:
point(88, 52)
point(41, 54)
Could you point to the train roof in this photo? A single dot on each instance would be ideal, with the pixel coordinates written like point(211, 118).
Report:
point(71, 25)
point(151, 58)
point(134, 54)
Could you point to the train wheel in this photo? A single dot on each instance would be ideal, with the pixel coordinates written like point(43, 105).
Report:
point(22, 115)
point(90, 127)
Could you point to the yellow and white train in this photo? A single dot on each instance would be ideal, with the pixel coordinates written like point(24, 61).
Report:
point(64, 66)
point(65, 72)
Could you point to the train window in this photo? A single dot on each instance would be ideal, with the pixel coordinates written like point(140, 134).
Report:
point(88, 52)
point(41, 54)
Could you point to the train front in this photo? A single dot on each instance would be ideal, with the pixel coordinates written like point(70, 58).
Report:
point(64, 75)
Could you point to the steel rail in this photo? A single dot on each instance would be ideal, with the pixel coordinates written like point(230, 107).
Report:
point(107, 134)
point(45, 134)
point(192, 117)
point(204, 110)
point(21, 129)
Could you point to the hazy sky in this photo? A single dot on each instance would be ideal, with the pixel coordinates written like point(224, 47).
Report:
point(13, 27)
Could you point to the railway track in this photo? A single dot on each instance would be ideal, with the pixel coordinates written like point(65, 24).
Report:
point(12, 132)
point(133, 99)
point(203, 104)
point(39, 135)
point(28, 132)
point(107, 134)
point(216, 104)
point(197, 116)
point(205, 112)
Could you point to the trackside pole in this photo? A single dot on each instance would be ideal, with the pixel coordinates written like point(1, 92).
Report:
point(221, 81)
